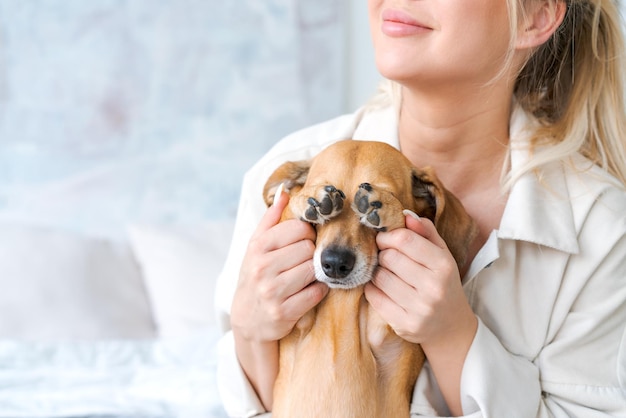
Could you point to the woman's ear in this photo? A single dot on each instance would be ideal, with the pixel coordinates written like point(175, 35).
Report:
point(540, 21)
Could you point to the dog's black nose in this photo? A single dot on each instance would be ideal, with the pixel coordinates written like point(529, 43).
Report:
point(337, 262)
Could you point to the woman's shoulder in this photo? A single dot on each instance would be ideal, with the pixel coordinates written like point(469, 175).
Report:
point(596, 194)
point(307, 142)
point(586, 176)
point(301, 145)
point(365, 123)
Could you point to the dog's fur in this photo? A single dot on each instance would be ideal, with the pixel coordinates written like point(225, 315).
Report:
point(341, 360)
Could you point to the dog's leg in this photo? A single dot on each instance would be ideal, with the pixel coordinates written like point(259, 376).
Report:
point(326, 368)
point(318, 204)
point(398, 364)
point(378, 209)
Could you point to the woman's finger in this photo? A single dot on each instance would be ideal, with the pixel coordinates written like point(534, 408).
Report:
point(274, 212)
point(424, 227)
point(401, 291)
point(303, 301)
point(292, 277)
point(383, 304)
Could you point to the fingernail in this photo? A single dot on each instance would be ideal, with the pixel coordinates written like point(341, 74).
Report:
point(410, 213)
point(278, 193)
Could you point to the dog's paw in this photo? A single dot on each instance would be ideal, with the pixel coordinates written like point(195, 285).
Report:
point(327, 205)
point(378, 210)
point(367, 207)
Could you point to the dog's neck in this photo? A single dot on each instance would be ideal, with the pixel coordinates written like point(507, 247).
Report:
point(341, 309)
point(341, 354)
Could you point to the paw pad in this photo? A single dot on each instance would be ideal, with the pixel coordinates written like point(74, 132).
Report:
point(368, 208)
point(331, 203)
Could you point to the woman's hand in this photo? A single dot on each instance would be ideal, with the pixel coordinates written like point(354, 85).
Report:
point(276, 288)
point(417, 290)
point(277, 280)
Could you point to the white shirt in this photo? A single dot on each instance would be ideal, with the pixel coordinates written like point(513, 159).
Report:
point(548, 287)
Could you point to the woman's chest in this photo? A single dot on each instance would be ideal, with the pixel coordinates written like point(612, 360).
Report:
point(515, 287)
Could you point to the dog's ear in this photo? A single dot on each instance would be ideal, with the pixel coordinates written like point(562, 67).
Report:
point(291, 175)
point(436, 203)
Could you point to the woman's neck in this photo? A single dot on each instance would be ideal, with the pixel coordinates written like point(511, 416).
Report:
point(464, 140)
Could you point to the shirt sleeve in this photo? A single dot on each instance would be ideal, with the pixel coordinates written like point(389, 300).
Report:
point(581, 370)
point(238, 397)
point(490, 368)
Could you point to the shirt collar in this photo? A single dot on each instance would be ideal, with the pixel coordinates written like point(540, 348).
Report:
point(538, 209)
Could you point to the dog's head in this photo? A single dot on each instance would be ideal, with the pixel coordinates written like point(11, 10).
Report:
point(354, 189)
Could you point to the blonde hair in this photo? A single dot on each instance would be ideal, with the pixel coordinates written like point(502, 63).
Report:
point(573, 85)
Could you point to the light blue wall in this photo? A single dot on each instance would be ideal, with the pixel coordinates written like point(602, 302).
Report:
point(363, 76)
point(118, 111)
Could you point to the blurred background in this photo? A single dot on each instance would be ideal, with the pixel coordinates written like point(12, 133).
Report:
point(118, 111)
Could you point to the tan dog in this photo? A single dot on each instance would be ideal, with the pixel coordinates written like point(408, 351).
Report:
point(331, 364)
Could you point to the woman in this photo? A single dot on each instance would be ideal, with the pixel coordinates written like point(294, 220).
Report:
point(519, 107)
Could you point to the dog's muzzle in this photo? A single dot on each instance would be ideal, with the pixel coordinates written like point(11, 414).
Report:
point(342, 268)
point(337, 263)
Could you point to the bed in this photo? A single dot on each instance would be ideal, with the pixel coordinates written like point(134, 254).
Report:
point(93, 327)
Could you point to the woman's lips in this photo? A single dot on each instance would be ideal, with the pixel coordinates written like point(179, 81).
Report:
point(398, 24)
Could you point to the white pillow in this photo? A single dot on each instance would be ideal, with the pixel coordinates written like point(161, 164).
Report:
point(60, 285)
point(180, 267)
